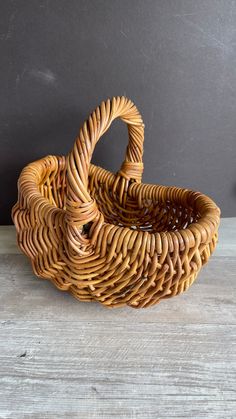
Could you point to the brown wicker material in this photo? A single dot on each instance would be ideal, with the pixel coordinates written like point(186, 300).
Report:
point(108, 237)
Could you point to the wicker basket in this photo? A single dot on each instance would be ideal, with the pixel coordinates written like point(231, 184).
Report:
point(108, 237)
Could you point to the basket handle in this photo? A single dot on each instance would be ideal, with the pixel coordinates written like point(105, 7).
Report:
point(80, 206)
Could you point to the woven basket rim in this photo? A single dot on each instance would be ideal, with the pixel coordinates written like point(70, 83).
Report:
point(209, 211)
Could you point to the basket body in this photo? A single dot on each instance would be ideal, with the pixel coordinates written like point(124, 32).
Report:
point(130, 243)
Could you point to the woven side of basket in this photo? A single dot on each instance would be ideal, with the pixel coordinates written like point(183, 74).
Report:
point(108, 237)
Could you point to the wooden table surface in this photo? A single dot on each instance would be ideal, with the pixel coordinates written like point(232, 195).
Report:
point(60, 358)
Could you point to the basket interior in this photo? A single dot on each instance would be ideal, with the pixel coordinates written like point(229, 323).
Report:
point(150, 215)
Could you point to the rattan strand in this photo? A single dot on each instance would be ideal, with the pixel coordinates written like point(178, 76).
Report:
point(108, 237)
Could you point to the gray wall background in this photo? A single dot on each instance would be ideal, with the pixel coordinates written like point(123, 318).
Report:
point(176, 59)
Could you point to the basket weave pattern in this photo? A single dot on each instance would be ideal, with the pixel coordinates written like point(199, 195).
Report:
point(108, 237)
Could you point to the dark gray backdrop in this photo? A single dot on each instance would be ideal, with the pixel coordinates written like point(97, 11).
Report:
point(175, 59)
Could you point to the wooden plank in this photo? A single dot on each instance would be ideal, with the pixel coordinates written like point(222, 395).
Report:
point(227, 238)
point(117, 369)
point(60, 358)
point(8, 243)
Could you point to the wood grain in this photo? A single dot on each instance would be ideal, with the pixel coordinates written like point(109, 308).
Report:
point(63, 359)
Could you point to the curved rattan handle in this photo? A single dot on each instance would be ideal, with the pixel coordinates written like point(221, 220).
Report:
point(81, 208)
